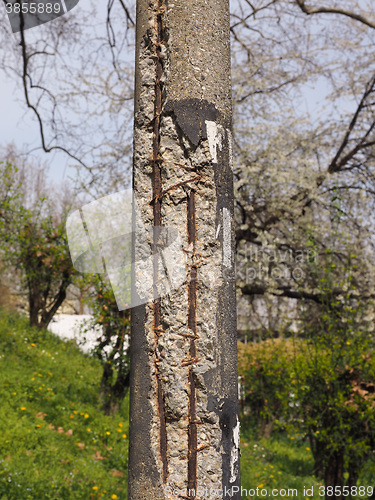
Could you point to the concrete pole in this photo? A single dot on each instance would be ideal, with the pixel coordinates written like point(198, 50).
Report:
point(184, 428)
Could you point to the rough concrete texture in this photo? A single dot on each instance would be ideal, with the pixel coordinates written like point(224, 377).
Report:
point(184, 431)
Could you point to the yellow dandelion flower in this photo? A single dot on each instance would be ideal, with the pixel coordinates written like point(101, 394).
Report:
point(95, 488)
point(108, 433)
point(87, 415)
point(124, 436)
point(23, 408)
point(114, 496)
point(120, 425)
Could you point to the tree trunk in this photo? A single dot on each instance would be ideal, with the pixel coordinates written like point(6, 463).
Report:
point(112, 392)
point(319, 453)
point(184, 427)
point(115, 396)
point(106, 381)
point(41, 315)
point(34, 305)
point(334, 474)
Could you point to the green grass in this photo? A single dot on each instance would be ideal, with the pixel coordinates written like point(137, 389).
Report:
point(284, 462)
point(55, 442)
point(280, 462)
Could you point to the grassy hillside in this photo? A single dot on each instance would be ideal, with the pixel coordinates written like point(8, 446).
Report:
point(54, 440)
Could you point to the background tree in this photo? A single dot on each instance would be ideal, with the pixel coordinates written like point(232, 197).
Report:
point(33, 242)
point(319, 379)
point(298, 172)
point(293, 159)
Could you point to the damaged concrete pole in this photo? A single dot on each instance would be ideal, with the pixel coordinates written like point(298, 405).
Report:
point(184, 428)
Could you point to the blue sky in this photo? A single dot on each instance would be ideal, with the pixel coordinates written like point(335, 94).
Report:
point(18, 126)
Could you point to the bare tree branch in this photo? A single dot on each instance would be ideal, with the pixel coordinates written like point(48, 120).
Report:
point(287, 292)
point(25, 78)
point(282, 291)
point(334, 10)
point(127, 13)
point(335, 164)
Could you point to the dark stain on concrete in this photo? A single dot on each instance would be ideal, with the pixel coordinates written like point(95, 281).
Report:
point(191, 115)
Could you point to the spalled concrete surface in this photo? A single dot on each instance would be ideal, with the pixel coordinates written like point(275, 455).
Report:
point(184, 431)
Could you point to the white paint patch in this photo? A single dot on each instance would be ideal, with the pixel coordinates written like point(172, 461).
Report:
point(214, 135)
point(234, 453)
point(227, 238)
point(230, 147)
point(218, 231)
